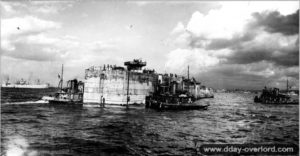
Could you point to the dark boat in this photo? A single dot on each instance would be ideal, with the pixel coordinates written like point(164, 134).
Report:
point(173, 94)
point(274, 96)
point(72, 94)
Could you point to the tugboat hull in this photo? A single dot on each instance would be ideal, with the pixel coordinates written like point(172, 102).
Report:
point(166, 106)
point(173, 103)
point(276, 101)
point(65, 102)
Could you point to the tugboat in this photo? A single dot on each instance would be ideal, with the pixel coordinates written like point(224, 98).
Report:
point(274, 96)
point(72, 94)
point(177, 93)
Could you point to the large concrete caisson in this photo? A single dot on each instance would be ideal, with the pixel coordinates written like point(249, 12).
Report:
point(108, 84)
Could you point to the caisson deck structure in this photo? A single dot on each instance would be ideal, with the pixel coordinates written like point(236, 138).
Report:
point(112, 85)
point(115, 85)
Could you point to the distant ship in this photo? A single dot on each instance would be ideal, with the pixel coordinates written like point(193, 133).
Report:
point(24, 84)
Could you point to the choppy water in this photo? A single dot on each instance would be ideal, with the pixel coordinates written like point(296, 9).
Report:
point(42, 129)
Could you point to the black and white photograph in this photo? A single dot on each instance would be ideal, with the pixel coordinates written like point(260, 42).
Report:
point(149, 78)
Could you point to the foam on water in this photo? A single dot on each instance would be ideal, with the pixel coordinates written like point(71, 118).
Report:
point(26, 102)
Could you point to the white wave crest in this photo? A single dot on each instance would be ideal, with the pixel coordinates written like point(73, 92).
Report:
point(26, 102)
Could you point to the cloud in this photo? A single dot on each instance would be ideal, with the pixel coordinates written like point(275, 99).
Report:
point(43, 47)
point(25, 26)
point(179, 59)
point(140, 3)
point(249, 76)
point(237, 39)
point(248, 45)
point(5, 7)
point(247, 42)
point(18, 8)
point(178, 29)
point(274, 22)
point(25, 38)
point(101, 46)
point(291, 72)
point(213, 26)
point(31, 38)
point(268, 47)
point(37, 52)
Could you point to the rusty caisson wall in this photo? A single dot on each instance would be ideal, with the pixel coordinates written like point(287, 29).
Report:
point(108, 84)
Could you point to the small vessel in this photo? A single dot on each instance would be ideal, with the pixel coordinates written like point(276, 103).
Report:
point(72, 94)
point(24, 84)
point(274, 96)
point(184, 94)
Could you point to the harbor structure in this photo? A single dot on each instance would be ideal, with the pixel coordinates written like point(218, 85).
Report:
point(115, 85)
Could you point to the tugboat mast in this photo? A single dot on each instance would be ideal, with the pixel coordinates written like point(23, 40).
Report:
point(62, 77)
point(188, 74)
point(287, 85)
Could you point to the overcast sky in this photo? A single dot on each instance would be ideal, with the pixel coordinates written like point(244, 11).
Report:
point(227, 44)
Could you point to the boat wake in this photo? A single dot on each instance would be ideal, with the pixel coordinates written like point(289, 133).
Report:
point(25, 102)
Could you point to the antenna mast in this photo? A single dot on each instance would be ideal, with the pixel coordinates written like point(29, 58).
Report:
point(62, 77)
point(287, 85)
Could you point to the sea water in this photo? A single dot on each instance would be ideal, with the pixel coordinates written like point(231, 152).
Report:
point(31, 126)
